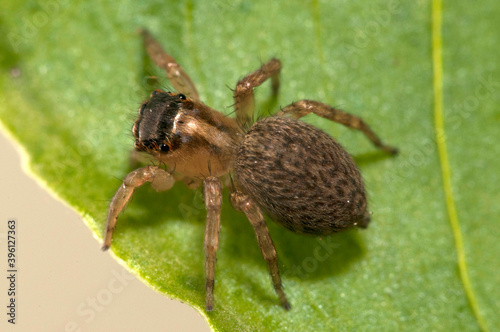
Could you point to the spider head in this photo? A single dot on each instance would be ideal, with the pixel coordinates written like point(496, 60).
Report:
point(155, 129)
point(186, 133)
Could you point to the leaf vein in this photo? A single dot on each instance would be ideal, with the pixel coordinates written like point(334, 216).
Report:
point(437, 60)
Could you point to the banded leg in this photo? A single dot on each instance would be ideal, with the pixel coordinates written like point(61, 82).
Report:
point(177, 76)
point(213, 201)
point(244, 98)
point(243, 203)
point(160, 180)
point(304, 107)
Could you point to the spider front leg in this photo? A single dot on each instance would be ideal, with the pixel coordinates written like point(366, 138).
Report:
point(177, 76)
point(244, 99)
point(213, 200)
point(242, 202)
point(160, 180)
point(304, 107)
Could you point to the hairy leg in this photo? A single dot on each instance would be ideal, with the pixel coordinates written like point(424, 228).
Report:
point(304, 107)
point(160, 180)
point(244, 98)
point(213, 200)
point(242, 202)
point(177, 76)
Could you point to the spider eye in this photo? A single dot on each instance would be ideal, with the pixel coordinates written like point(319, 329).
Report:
point(181, 96)
point(164, 148)
point(154, 93)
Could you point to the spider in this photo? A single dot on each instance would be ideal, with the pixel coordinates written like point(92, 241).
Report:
point(295, 173)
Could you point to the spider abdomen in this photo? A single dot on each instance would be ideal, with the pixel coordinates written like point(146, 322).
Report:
point(301, 177)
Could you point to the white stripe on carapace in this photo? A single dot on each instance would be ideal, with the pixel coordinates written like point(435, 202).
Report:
point(174, 128)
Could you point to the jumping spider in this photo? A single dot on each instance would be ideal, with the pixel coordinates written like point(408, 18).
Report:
point(294, 172)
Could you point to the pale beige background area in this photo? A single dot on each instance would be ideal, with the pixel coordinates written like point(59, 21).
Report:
point(62, 269)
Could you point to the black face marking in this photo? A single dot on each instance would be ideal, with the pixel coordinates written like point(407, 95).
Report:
point(153, 128)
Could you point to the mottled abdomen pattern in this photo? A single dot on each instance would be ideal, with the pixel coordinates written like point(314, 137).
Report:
point(301, 177)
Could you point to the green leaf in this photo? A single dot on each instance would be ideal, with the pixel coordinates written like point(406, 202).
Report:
point(73, 76)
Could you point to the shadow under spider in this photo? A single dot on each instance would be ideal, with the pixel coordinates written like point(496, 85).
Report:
point(301, 257)
point(162, 207)
point(371, 157)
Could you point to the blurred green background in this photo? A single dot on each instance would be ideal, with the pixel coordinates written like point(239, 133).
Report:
point(73, 75)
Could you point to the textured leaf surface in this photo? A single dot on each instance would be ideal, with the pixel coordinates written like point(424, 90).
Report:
point(73, 75)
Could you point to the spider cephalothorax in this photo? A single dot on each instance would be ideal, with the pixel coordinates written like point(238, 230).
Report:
point(185, 132)
point(300, 176)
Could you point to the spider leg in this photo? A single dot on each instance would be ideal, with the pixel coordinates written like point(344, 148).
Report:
point(244, 203)
point(160, 180)
point(177, 76)
point(304, 107)
point(213, 201)
point(244, 96)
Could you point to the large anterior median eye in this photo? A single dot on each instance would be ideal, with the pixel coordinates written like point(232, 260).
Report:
point(181, 96)
point(164, 148)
